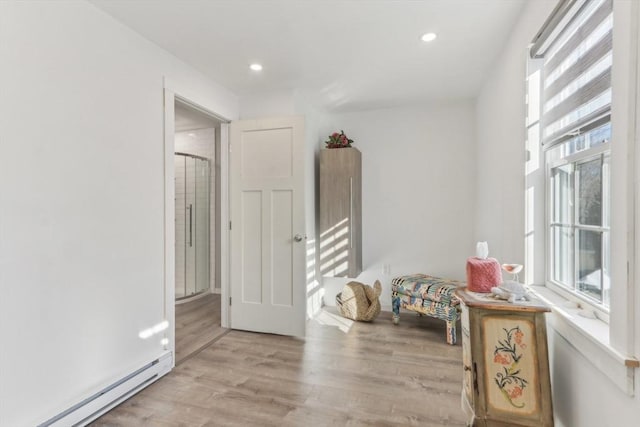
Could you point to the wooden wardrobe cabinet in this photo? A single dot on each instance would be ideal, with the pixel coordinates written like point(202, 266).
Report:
point(340, 212)
point(505, 362)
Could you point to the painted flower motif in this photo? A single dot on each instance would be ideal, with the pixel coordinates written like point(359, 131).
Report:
point(502, 359)
point(510, 381)
point(516, 392)
point(518, 335)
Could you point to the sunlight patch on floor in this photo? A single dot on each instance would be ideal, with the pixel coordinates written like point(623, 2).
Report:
point(325, 318)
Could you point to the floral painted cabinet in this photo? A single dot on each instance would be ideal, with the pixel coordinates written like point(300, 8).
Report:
point(505, 362)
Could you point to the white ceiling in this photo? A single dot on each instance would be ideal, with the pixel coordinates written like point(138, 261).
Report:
point(341, 54)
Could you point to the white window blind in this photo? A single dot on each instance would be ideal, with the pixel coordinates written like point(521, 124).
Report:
point(576, 48)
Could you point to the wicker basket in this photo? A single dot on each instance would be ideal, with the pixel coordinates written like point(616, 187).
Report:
point(359, 302)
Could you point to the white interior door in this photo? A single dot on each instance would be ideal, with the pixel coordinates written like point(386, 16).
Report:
point(267, 235)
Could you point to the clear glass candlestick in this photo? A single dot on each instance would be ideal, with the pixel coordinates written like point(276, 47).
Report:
point(513, 269)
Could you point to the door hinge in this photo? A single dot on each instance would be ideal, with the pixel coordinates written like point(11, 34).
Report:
point(229, 225)
point(229, 300)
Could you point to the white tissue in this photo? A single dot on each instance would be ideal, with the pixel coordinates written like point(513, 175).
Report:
point(482, 250)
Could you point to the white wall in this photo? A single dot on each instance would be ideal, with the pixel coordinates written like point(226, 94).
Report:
point(200, 142)
point(501, 134)
point(81, 201)
point(418, 184)
point(267, 104)
point(316, 125)
point(582, 395)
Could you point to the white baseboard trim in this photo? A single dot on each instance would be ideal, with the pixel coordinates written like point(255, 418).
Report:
point(94, 406)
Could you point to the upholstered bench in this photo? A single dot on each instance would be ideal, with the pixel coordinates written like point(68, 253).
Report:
point(428, 295)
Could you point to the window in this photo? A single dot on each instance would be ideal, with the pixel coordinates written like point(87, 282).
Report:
point(579, 220)
point(574, 121)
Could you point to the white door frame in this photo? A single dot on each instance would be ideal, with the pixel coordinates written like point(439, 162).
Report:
point(169, 213)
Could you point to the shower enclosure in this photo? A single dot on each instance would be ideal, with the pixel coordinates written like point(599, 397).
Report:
point(192, 225)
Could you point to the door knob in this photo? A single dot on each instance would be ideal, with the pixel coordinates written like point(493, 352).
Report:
point(298, 238)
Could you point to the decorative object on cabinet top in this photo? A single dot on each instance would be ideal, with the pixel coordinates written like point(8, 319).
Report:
point(513, 269)
point(488, 301)
point(511, 291)
point(338, 140)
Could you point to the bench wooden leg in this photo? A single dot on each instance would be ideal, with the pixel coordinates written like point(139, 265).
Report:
point(395, 306)
point(451, 332)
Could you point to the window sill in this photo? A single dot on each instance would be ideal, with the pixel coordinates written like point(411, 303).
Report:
point(591, 338)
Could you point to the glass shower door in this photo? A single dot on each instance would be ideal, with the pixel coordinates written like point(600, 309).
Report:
point(181, 223)
point(190, 248)
point(192, 231)
point(202, 236)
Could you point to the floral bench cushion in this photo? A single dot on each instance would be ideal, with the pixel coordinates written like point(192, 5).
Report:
point(428, 288)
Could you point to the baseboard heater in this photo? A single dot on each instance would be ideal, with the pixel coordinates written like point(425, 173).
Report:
point(94, 406)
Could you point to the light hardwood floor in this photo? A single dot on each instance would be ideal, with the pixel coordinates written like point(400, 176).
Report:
point(341, 374)
point(197, 325)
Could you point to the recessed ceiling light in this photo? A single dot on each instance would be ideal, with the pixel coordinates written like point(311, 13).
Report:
point(429, 37)
point(256, 67)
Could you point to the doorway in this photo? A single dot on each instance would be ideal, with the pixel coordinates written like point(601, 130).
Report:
point(197, 229)
point(283, 308)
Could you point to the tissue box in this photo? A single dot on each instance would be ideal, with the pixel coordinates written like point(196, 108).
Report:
point(483, 274)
